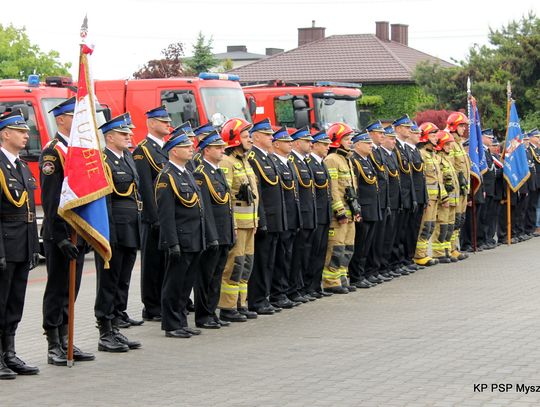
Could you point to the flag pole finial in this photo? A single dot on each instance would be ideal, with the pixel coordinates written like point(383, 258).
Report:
point(84, 27)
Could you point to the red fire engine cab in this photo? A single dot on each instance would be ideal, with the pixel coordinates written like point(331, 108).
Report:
point(294, 105)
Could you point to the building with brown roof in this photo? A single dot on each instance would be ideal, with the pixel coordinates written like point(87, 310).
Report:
point(378, 58)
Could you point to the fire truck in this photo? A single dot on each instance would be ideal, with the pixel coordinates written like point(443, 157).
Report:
point(294, 105)
point(210, 97)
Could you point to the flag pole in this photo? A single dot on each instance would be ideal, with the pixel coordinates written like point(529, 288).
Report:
point(508, 196)
point(471, 114)
point(71, 305)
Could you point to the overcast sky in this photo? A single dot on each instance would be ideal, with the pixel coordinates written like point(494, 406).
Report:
point(128, 33)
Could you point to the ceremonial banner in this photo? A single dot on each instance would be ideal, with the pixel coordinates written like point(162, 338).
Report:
point(82, 202)
point(476, 148)
point(516, 168)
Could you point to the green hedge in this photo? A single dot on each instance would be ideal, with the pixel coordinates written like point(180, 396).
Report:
point(392, 101)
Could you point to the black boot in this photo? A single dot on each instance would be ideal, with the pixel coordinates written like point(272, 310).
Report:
point(12, 361)
point(122, 338)
point(107, 341)
point(5, 372)
point(78, 355)
point(55, 355)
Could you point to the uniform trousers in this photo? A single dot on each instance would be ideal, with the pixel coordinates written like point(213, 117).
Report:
point(56, 296)
point(13, 281)
point(152, 270)
point(237, 271)
point(264, 259)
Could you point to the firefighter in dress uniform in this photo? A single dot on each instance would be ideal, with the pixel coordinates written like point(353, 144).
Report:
point(59, 249)
point(149, 160)
point(19, 246)
point(123, 207)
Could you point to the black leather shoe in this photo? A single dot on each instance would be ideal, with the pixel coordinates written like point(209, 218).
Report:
point(410, 270)
point(299, 298)
point(80, 356)
point(208, 325)
point(56, 356)
point(326, 293)
point(5, 372)
point(351, 288)
point(264, 310)
point(278, 309)
point(179, 333)
point(131, 321)
point(122, 323)
point(19, 366)
point(387, 275)
point(336, 290)
point(247, 313)
point(108, 343)
point(123, 339)
point(192, 331)
point(222, 322)
point(403, 271)
point(233, 315)
point(309, 297)
point(285, 304)
point(373, 279)
point(362, 284)
point(383, 278)
point(149, 317)
point(394, 274)
point(315, 295)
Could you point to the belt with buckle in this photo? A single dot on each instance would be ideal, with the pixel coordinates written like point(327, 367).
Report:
point(28, 217)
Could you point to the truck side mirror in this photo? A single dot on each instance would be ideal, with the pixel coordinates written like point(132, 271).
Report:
point(301, 118)
point(252, 105)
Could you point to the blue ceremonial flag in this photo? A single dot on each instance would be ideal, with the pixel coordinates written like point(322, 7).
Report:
point(516, 168)
point(476, 147)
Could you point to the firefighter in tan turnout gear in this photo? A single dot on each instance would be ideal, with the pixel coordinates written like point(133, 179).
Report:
point(436, 192)
point(345, 208)
point(243, 184)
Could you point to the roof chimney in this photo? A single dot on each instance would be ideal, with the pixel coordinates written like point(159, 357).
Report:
point(400, 33)
point(273, 51)
point(310, 34)
point(236, 48)
point(381, 30)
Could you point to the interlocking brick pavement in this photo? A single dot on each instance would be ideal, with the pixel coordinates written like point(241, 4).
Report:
point(420, 340)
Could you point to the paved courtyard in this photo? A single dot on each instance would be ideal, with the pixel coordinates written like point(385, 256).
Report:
point(421, 340)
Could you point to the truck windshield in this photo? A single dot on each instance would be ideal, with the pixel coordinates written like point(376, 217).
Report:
point(230, 102)
point(336, 110)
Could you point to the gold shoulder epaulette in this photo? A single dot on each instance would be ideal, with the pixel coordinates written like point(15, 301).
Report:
point(200, 169)
point(291, 158)
point(251, 154)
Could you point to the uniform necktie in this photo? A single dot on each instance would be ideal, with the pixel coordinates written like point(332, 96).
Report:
point(18, 166)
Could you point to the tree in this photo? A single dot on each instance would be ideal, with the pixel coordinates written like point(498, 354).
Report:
point(167, 67)
point(203, 58)
point(20, 58)
point(513, 54)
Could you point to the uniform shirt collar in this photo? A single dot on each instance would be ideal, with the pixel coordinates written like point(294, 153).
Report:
point(115, 153)
point(317, 158)
point(65, 138)
point(180, 168)
point(282, 159)
point(215, 167)
point(261, 150)
point(387, 150)
point(300, 156)
point(10, 157)
point(158, 141)
point(413, 146)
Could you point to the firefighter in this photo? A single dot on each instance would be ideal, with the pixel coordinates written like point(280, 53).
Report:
point(196, 135)
point(182, 234)
point(378, 160)
point(301, 147)
point(345, 209)
point(149, 160)
point(59, 249)
point(457, 125)
point(272, 218)
point(282, 147)
point(533, 210)
point(323, 198)
point(368, 198)
point(19, 245)
point(406, 219)
point(244, 197)
point(389, 262)
point(216, 194)
point(446, 211)
point(435, 189)
point(123, 207)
